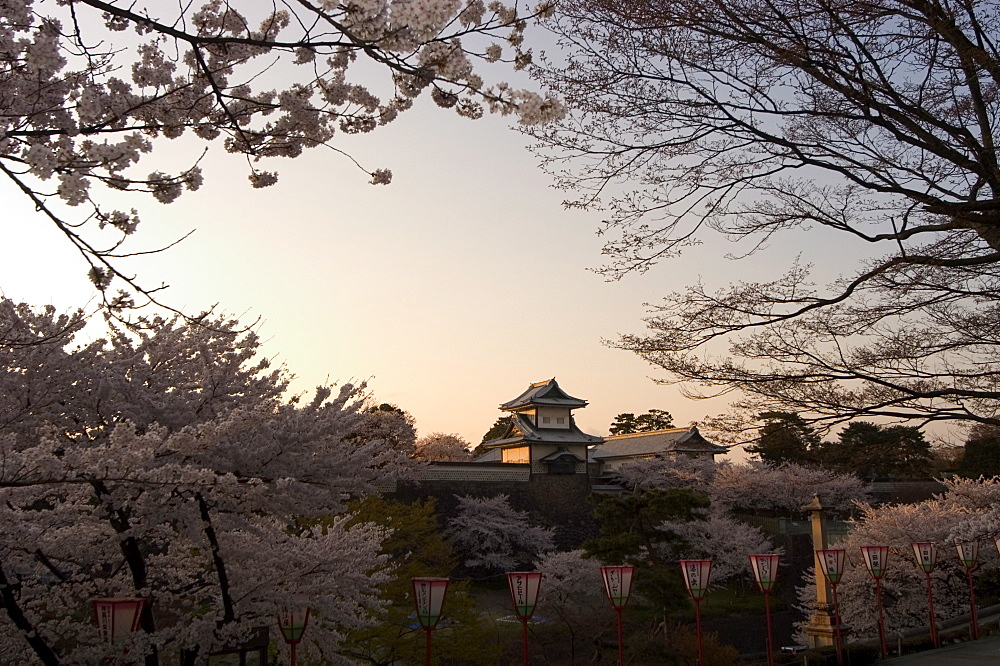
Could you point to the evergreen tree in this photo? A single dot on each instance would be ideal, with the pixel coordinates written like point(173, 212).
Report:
point(631, 532)
point(654, 419)
point(871, 451)
point(496, 430)
point(415, 546)
point(982, 453)
point(785, 438)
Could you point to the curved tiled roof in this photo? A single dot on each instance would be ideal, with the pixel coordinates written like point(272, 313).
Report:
point(522, 430)
point(547, 394)
point(680, 440)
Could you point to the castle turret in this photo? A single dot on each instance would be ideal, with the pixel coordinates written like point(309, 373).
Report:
point(542, 431)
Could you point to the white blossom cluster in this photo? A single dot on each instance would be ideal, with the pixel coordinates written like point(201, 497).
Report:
point(751, 486)
point(443, 447)
point(164, 463)
point(966, 511)
point(89, 87)
point(488, 533)
point(726, 541)
point(735, 489)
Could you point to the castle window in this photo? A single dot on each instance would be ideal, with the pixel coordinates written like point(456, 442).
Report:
point(560, 419)
point(545, 419)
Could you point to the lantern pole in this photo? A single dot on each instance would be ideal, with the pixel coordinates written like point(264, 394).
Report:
point(618, 586)
point(968, 553)
point(696, 576)
point(930, 606)
point(524, 587)
point(881, 618)
point(428, 595)
point(770, 640)
point(621, 637)
point(765, 568)
point(697, 628)
point(524, 640)
point(876, 558)
point(926, 555)
point(836, 614)
point(831, 561)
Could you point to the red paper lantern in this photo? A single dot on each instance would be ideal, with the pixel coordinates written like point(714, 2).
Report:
point(876, 558)
point(117, 617)
point(765, 570)
point(524, 586)
point(292, 622)
point(428, 594)
point(831, 562)
point(926, 555)
point(968, 553)
point(618, 584)
point(696, 577)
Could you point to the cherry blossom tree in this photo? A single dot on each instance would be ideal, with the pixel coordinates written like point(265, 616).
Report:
point(664, 473)
point(91, 87)
point(786, 488)
point(751, 486)
point(732, 490)
point(490, 534)
point(573, 591)
point(966, 511)
point(724, 540)
point(163, 462)
point(388, 424)
point(443, 447)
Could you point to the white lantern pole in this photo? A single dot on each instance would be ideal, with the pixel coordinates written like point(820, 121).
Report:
point(765, 571)
point(926, 555)
point(428, 595)
point(876, 558)
point(968, 553)
point(832, 561)
point(618, 585)
point(524, 586)
point(696, 577)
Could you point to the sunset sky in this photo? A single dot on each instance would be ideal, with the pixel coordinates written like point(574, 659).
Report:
point(451, 289)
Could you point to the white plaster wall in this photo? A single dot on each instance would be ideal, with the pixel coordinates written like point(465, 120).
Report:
point(553, 414)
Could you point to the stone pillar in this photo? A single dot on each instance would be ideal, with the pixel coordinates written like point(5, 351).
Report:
point(821, 630)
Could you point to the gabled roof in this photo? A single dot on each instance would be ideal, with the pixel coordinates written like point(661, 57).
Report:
point(522, 431)
point(546, 394)
point(673, 440)
point(562, 452)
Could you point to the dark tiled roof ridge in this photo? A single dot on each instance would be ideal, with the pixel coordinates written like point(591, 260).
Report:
point(652, 432)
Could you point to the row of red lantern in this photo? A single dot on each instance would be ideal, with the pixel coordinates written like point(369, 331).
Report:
point(524, 587)
point(117, 617)
point(832, 561)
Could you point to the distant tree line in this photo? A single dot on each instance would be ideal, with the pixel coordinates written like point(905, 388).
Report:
point(872, 451)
